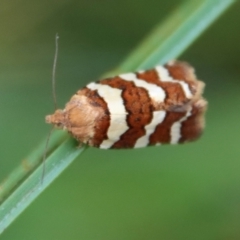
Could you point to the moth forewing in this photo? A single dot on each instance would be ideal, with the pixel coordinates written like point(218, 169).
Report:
point(163, 105)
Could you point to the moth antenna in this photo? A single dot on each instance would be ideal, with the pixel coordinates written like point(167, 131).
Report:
point(45, 154)
point(54, 72)
point(55, 104)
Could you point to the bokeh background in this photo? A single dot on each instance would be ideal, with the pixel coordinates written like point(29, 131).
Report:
point(182, 192)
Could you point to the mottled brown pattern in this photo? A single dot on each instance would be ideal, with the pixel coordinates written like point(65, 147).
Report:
point(149, 76)
point(139, 108)
point(87, 118)
point(182, 71)
point(193, 126)
point(174, 93)
point(101, 126)
point(162, 132)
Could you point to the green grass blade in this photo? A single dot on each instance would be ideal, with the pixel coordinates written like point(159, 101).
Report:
point(29, 164)
point(29, 189)
point(170, 38)
point(167, 41)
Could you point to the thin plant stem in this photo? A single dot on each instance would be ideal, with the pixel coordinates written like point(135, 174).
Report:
point(167, 41)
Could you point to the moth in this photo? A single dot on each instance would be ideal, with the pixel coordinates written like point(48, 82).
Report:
point(163, 105)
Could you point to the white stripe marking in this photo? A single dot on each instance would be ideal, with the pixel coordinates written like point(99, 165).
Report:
point(158, 117)
point(155, 92)
point(118, 123)
point(165, 77)
point(175, 132)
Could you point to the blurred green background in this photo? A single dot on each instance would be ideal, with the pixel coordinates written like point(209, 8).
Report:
point(182, 192)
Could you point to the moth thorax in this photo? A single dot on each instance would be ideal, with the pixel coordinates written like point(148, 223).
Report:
point(57, 119)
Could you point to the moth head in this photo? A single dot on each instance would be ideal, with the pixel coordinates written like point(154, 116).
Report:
point(57, 119)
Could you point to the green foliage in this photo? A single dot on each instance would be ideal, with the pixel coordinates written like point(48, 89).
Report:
point(168, 40)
